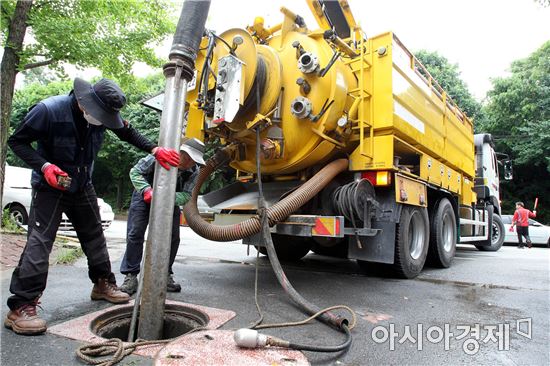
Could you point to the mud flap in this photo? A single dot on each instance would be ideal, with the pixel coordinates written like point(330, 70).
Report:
point(379, 248)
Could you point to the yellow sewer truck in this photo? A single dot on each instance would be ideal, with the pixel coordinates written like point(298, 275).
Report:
point(379, 160)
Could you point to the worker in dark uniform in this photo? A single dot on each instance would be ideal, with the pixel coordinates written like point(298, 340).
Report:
point(142, 175)
point(69, 131)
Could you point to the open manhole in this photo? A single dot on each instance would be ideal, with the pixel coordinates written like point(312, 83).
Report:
point(178, 320)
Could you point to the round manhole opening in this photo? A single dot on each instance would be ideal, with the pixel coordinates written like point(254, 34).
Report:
point(178, 320)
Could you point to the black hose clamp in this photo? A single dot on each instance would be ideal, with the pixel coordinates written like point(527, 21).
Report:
point(187, 68)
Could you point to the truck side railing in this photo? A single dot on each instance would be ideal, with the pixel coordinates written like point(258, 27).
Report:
point(437, 89)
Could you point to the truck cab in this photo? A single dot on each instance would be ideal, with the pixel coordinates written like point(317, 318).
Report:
point(487, 186)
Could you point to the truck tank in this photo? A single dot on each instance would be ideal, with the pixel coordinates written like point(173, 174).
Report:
point(367, 98)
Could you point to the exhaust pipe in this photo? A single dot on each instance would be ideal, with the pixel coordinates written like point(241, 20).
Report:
point(178, 72)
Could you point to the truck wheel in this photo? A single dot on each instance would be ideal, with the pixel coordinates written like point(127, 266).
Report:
point(288, 248)
point(442, 234)
point(19, 214)
point(497, 235)
point(338, 249)
point(411, 241)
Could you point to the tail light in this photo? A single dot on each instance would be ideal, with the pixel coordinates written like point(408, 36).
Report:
point(378, 178)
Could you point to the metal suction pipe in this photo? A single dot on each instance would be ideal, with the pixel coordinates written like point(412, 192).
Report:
point(178, 72)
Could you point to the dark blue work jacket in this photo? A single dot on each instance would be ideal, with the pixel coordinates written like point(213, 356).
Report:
point(65, 147)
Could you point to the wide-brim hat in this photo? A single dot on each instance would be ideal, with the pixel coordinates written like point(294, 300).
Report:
point(195, 149)
point(103, 101)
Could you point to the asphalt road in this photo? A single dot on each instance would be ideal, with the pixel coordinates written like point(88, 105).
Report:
point(492, 292)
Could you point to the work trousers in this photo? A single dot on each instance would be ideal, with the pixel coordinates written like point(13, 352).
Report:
point(29, 278)
point(138, 219)
point(523, 232)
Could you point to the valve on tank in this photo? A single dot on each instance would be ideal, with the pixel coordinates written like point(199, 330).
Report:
point(301, 107)
point(308, 63)
point(271, 149)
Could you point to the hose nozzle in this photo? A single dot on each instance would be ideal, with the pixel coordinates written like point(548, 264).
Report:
point(250, 338)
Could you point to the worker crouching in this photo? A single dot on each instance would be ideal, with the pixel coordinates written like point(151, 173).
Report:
point(142, 175)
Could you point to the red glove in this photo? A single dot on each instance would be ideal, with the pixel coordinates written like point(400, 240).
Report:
point(51, 172)
point(166, 156)
point(148, 195)
point(511, 229)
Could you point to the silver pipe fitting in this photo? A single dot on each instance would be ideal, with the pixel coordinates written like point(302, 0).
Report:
point(301, 107)
point(308, 63)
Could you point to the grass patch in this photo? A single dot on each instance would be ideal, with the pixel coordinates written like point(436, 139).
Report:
point(67, 255)
point(8, 223)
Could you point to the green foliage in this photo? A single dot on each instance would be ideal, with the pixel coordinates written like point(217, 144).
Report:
point(106, 34)
point(68, 255)
point(448, 76)
point(8, 223)
point(42, 76)
point(219, 178)
point(518, 116)
point(519, 109)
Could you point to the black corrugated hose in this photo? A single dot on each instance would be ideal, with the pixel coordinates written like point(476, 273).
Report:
point(188, 36)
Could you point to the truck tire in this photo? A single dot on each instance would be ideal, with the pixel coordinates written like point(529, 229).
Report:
point(443, 236)
point(19, 214)
point(497, 235)
point(339, 249)
point(411, 242)
point(288, 248)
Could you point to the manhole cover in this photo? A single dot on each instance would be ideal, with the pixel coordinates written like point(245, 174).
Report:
point(178, 320)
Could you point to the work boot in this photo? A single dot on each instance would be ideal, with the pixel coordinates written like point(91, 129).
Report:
point(105, 290)
point(171, 285)
point(24, 320)
point(130, 284)
point(529, 245)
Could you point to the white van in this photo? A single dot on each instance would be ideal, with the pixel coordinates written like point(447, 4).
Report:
point(18, 195)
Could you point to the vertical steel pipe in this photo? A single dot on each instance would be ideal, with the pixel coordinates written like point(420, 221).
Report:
point(178, 72)
point(157, 250)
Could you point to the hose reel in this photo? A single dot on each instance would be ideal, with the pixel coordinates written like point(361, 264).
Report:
point(355, 200)
point(247, 76)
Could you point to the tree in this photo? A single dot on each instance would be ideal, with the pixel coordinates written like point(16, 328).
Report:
point(8, 71)
point(518, 116)
point(108, 35)
point(448, 76)
point(42, 75)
